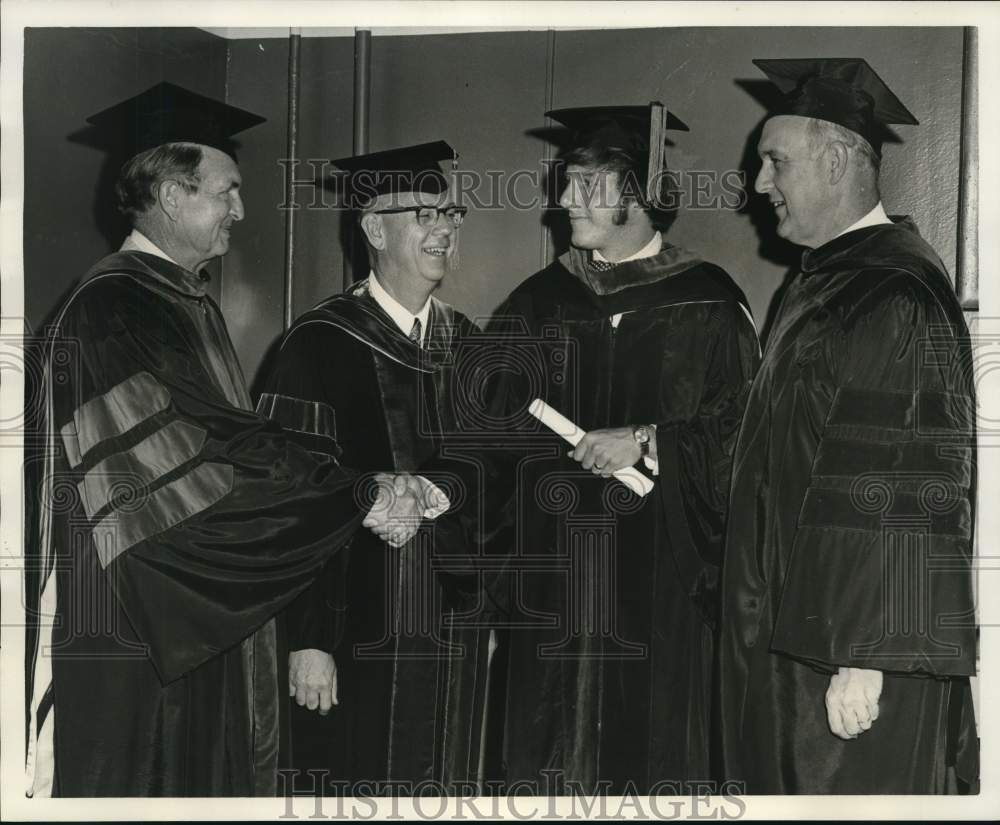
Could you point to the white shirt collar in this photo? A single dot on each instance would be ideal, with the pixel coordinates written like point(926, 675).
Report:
point(874, 218)
point(648, 251)
point(400, 315)
point(137, 242)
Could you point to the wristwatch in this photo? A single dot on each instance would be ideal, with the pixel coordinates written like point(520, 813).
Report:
point(642, 434)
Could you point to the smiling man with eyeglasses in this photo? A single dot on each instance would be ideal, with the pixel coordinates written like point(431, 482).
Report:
point(368, 372)
point(411, 237)
point(428, 215)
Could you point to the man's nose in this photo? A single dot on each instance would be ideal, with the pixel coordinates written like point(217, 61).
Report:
point(236, 206)
point(566, 199)
point(444, 225)
point(763, 182)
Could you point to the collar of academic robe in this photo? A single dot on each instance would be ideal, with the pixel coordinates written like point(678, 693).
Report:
point(897, 244)
point(359, 315)
point(670, 260)
point(193, 284)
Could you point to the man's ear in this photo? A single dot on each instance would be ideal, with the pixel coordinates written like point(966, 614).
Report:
point(374, 229)
point(167, 195)
point(839, 157)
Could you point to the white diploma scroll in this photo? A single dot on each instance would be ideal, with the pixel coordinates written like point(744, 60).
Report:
point(563, 427)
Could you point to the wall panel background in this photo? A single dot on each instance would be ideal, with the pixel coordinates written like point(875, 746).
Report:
point(697, 72)
point(483, 93)
point(480, 92)
point(70, 74)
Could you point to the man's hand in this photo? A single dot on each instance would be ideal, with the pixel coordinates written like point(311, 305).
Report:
point(312, 679)
point(604, 452)
point(398, 508)
point(852, 701)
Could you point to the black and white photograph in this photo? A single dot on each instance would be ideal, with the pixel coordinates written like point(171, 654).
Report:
point(498, 410)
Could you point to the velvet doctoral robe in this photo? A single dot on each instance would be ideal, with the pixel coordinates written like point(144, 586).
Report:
point(850, 529)
point(410, 678)
point(611, 597)
point(173, 523)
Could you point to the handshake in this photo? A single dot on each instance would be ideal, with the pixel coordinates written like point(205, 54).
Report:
point(402, 502)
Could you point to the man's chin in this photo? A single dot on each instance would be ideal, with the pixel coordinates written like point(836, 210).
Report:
point(791, 236)
point(435, 269)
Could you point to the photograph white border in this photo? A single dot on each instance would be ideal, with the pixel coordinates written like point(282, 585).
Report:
point(388, 18)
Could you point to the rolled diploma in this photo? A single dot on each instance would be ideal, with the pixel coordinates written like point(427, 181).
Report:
point(562, 426)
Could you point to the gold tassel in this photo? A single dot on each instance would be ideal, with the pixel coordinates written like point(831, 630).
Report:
point(454, 260)
point(657, 139)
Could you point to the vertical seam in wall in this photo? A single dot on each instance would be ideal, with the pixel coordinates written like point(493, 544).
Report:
point(550, 64)
point(225, 97)
point(967, 223)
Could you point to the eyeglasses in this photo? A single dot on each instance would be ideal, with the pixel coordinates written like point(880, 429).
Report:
point(428, 215)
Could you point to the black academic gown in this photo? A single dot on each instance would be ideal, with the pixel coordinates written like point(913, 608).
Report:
point(174, 523)
point(612, 597)
point(850, 529)
point(410, 679)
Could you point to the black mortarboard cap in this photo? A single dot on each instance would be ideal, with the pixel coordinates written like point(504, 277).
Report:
point(625, 126)
point(638, 130)
point(390, 172)
point(166, 113)
point(841, 90)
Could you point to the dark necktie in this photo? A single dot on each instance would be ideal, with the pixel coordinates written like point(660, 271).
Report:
point(601, 266)
point(415, 331)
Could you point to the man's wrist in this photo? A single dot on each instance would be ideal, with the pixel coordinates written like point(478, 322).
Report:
point(432, 498)
point(649, 459)
point(643, 434)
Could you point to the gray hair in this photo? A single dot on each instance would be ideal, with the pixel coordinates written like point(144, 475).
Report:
point(823, 132)
point(139, 177)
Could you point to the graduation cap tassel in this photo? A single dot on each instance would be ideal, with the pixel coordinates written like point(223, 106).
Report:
point(657, 137)
point(626, 126)
point(454, 260)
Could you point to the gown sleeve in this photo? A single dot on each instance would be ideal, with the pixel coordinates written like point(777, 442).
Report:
point(490, 400)
point(880, 571)
point(206, 518)
point(695, 456)
point(299, 396)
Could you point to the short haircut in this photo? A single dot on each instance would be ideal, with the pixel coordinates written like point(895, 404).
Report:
point(136, 185)
point(632, 169)
point(822, 132)
point(364, 206)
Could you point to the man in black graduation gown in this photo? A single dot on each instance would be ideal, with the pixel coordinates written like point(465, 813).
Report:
point(372, 370)
point(650, 350)
point(172, 522)
point(848, 635)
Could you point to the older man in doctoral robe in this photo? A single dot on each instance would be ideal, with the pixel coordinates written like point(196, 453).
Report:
point(848, 635)
point(172, 522)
